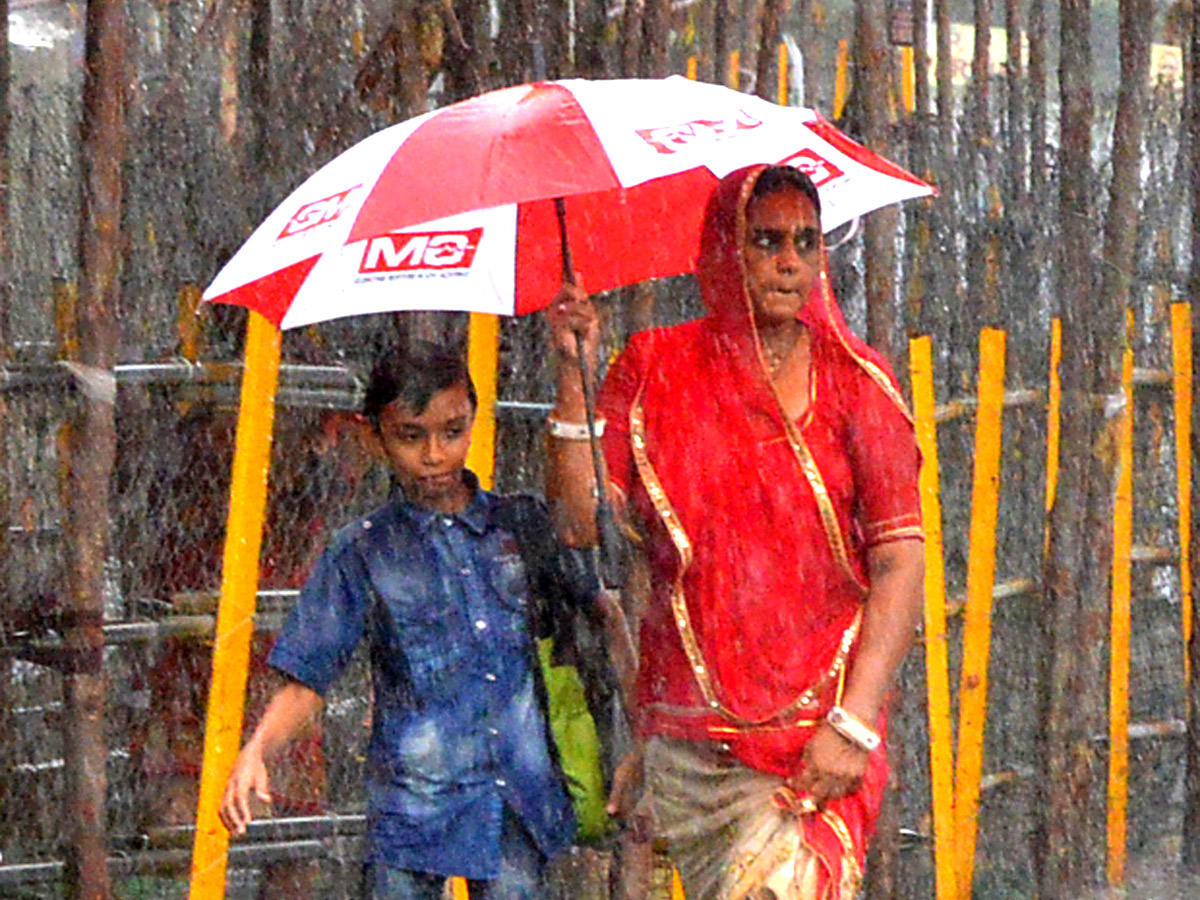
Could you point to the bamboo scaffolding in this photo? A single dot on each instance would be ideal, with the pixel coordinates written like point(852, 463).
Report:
point(231, 653)
point(937, 664)
point(1119, 633)
point(1181, 353)
point(981, 568)
point(483, 352)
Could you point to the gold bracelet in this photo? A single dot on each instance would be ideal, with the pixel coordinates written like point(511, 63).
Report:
point(573, 431)
point(853, 729)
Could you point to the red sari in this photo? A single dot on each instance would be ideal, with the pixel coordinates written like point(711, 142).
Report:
point(756, 528)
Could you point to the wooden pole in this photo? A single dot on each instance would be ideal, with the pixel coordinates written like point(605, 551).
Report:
point(1068, 849)
point(937, 664)
point(235, 614)
point(655, 61)
point(1015, 91)
point(977, 630)
point(483, 350)
point(872, 62)
point(1181, 358)
point(6, 747)
point(1120, 236)
point(91, 449)
point(1119, 633)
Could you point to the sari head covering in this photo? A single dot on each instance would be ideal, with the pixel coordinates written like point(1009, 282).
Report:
point(756, 527)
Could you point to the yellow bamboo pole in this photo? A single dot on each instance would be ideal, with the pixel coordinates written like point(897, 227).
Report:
point(1119, 635)
point(1053, 421)
point(908, 80)
point(483, 351)
point(1181, 352)
point(187, 322)
point(735, 69)
point(235, 615)
point(676, 886)
point(981, 571)
point(937, 663)
point(693, 65)
point(841, 79)
point(458, 888)
point(782, 89)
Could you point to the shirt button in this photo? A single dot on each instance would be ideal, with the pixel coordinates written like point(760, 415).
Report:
point(500, 782)
point(465, 570)
point(490, 676)
point(481, 624)
point(447, 521)
point(367, 523)
point(494, 732)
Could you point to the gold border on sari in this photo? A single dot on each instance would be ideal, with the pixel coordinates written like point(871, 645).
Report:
point(679, 607)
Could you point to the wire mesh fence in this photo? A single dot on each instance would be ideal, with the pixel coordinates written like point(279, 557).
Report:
point(176, 412)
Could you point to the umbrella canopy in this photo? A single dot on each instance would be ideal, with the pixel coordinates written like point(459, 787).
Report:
point(455, 209)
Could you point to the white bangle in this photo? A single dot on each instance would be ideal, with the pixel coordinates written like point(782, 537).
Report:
point(573, 431)
point(853, 729)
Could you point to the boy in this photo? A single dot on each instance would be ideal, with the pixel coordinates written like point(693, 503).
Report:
point(461, 776)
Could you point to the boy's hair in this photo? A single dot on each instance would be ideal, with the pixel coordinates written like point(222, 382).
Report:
point(412, 373)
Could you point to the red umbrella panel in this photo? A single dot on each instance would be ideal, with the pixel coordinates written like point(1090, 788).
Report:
point(455, 210)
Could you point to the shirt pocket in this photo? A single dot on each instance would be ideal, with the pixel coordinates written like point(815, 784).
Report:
point(510, 579)
point(426, 629)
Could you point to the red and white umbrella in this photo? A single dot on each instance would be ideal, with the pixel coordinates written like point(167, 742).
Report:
point(455, 209)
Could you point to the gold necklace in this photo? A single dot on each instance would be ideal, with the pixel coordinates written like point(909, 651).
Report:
point(774, 358)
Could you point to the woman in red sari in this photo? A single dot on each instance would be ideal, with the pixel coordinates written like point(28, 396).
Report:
point(765, 457)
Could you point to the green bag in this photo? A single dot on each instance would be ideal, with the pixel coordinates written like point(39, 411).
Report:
point(574, 732)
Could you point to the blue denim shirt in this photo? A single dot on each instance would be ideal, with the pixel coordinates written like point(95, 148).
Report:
point(458, 730)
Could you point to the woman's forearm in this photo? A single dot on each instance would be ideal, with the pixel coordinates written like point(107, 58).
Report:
point(890, 618)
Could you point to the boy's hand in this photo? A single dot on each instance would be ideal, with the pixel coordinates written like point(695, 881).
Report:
point(249, 775)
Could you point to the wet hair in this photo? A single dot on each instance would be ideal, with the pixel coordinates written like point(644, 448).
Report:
point(773, 179)
point(412, 373)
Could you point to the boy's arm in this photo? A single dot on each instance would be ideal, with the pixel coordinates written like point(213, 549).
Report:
point(293, 706)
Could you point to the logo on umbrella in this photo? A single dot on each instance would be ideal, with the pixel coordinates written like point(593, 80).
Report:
point(414, 252)
point(673, 138)
point(319, 212)
point(815, 166)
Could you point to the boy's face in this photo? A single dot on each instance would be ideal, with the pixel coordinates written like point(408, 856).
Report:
point(428, 451)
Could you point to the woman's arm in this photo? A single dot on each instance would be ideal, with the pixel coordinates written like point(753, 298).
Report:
point(833, 766)
point(570, 476)
point(292, 707)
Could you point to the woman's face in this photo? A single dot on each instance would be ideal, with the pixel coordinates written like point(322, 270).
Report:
point(782, 253)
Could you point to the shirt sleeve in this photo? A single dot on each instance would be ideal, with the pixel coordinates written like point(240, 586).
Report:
point(886, 465)
point(326, 624)
point(556, 572)
point(617, 395)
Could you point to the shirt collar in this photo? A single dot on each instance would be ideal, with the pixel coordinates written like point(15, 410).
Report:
point(476, 516)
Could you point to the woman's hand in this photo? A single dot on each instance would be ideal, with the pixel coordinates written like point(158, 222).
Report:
point(624, 801)
point(832, 767)
point(627, 784)
point(249, 776)
point(570, 312)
